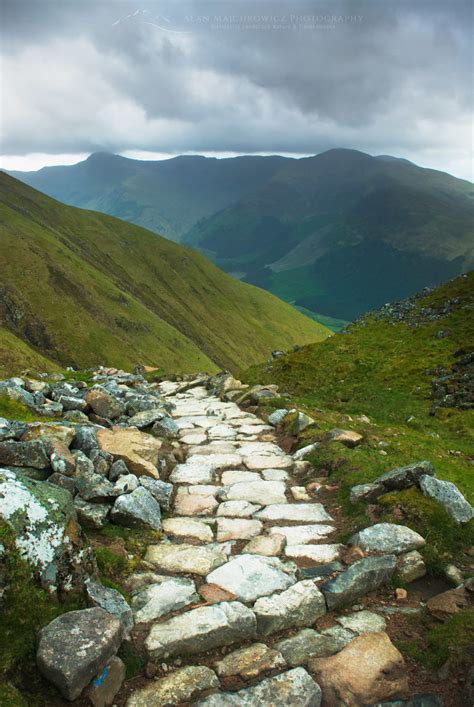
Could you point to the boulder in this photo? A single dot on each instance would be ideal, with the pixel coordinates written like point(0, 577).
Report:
point(368, 670)
point(361, 622)
point(43, 519)
point(159, 599)
point(13, 390)
point(359, 579)
point(49, 431)
point(201, 629)
point(112, 601)
point(75, 647)
point(443, 606)
point(405, 476)
point(179, 687)
point(449, 496)
point(137, 509)
point(160, 490)
point(366, 492)
point(300, 605)
point(138, 450)
point(166, 428)
point(147, 417)
point(33, 454)
point(387, 538)
point(295, 687)
point(91, 515)
point(277, 417)
point(104, 404)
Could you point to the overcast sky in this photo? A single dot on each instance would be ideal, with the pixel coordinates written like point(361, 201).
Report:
point(236, 76)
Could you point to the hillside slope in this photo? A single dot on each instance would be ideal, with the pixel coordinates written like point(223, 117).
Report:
point(83, 288)
point(343, 232)
point(383, 367)
point(165, 196)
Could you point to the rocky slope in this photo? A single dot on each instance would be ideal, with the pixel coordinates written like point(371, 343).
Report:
point(81, 288)
point(221, 576)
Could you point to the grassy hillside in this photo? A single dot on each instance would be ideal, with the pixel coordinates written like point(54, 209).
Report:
point(383, 370)
point(343, 232)
point(166, 196)
point(83, 288)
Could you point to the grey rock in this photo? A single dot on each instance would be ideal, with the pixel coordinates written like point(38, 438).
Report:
point(185, 558)
point(251, 576)
point(101, 460)
point(14, 390)
point(126, 484)
point(166, 428)
point(118, 468)
point(363, 622)
point(201, 629)
point(33, 454)
point(160, 490)
point(76, 646)
point(159, 599)
point(307, 644)
point(179, 687)
point(85, 439)
point(64, 482)
point(366, 492)
point(320, 571)
point(112, 601)
point(295, 688)
point(449, 496)
point(300, 605)
point(93, 487)
point(359, 579)
point(420, 700)
point(91, 515)
point(405, 476)
point(146, 418)
point(71, 402)
point(387, 538)
point(82, 463)
point(277, 417)
point(137, 509)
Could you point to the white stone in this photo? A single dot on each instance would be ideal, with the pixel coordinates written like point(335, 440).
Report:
point(184, 558)
point(188, 527)
point(275, 475)
point(237, 529)
point(196, 438)
point(251, 576)
point(363, 622)
point(237, 509)
point(261, 492)
point(299, 493)
point(317, 553)
point(302, 534)
point(261, 449)
point(160, 599)
point(235, 476)
point(192, 473)
point(268, 462)
point(302, 512)
point(203, 489)
point(267, 545)
point(300, 605)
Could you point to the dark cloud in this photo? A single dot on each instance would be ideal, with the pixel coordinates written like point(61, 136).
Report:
point(238, 75)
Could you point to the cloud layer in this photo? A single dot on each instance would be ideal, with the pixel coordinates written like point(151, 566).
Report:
point(240, 76)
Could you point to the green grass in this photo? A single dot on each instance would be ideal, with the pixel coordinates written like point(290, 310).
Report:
point(89, 289)
point(13, 410)
point(378, 369)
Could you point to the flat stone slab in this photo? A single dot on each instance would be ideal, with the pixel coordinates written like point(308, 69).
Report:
point(237, 529)
point(267, 545)
point(299, 512)
point(201, 629)
point(359, 579)
point(275, 474)
point(180, 686)
point(194, 438)
point(308, 643)
point(235, 476)
point(260, 449)
point(184, 558)
point(192, 473)
point(300, 605)
point(448, 494)
point(255, 463)
point(363, 622)
point(251, 576)
point(237, 509)
point(295, 688)
point(221, 432)
point(188, 528)
point(201, 489)
point(316, 553)
point(194, 504)
point(159, 599)
point(388, 538)
point(261, 492)
point(302, 534)
point(250, 661)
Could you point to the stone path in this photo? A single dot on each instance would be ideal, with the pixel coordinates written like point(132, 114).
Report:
point(227, 575)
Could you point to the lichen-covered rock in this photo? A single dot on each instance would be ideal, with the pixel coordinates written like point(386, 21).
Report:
point(387, 538)
point(448, 494)
point(43, 519)
point(308, 643)
point(250, 661)
point(411, 566)
point(177, 688)
point(405, 476)
point(75, 647)
point(91, 515)
point(33, 454)
point(112, 601)
point(300, 605)
point(104, 404)
point(160, 490)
